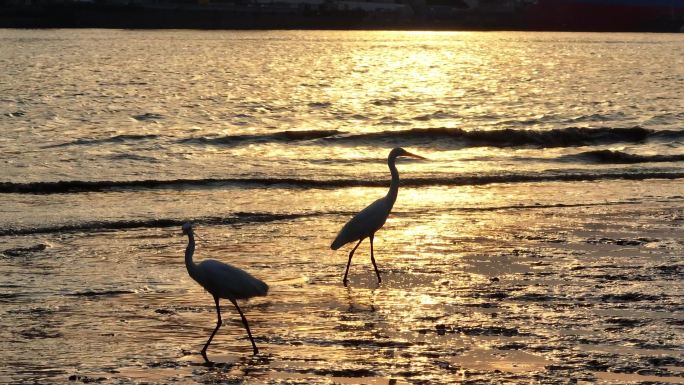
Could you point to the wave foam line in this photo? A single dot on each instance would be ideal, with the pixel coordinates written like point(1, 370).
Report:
point(154, 223)
point(242, 218)
point(63, 187)
point(125, 138)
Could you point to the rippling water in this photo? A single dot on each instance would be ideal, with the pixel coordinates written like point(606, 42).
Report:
point(541, 242)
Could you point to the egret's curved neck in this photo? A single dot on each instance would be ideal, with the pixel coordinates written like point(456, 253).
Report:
point(394, 186)
point(189, 251)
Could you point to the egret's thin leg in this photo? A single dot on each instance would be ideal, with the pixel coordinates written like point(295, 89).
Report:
point(373, 259)
point(218, 325)
point(351, 253)
point(244, 322)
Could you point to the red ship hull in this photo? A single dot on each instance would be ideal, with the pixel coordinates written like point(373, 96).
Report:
point(596, 15)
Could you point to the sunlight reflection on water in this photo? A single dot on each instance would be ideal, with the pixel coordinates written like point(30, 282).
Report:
point(490, 283)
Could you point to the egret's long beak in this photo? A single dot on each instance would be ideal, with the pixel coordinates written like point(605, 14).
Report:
point(412, 155)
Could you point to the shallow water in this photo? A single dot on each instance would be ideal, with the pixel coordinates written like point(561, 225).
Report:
point(541, 243)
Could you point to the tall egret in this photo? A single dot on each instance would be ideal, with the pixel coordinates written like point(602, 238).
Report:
point(367, 222)
point(222, 281)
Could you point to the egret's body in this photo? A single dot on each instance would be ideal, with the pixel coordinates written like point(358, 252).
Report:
point(365, 223)
point(222, 281)
point(371, 219)
point(226, 281)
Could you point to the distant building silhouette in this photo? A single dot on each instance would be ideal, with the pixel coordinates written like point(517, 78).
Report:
point(561, 15)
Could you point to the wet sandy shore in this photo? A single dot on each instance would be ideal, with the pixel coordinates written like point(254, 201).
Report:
point(584, 292)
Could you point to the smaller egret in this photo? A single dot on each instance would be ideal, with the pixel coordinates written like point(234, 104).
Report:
point(371, 219)
point(222, 281)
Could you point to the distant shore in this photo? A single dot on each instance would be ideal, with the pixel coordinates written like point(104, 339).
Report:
point(91, 15)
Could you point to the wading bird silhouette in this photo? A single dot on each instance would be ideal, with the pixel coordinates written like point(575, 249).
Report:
point(222, 281)
point(369, 220)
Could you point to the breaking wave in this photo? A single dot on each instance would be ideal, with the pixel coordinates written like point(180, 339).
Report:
point(619, 157)
point(62, 187)
point(281, 136)
point(439, 137)
point(450, 137)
